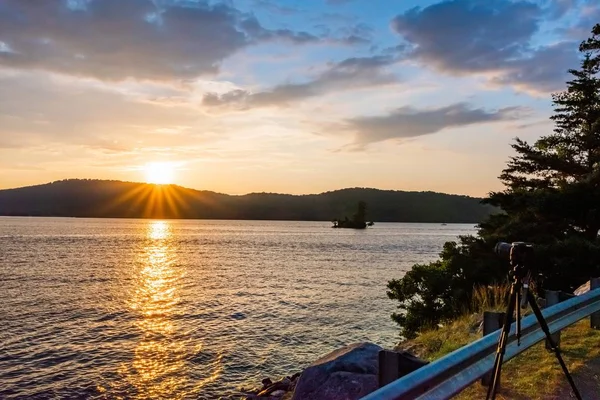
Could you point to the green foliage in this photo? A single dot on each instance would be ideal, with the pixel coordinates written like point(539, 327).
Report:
point(430, 293)
point(551, 198)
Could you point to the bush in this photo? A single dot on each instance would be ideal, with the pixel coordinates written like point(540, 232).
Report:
point(431, 293)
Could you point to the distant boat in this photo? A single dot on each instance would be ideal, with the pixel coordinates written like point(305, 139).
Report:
point(444, 224)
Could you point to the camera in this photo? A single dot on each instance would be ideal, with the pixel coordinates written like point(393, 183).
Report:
point(516, 252)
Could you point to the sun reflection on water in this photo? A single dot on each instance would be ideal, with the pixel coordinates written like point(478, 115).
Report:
point(160, 367)
point(159, 230)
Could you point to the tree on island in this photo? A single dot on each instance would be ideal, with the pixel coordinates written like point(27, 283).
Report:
point(551, 198)
point(358, 220)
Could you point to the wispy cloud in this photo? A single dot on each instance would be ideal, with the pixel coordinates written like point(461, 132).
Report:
point(351, 73)
point(408, 122)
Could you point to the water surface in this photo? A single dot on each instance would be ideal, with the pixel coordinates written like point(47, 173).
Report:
point(143, 309)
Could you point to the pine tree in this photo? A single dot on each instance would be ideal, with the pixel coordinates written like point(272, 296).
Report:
point(556, 181)
point(551, 198)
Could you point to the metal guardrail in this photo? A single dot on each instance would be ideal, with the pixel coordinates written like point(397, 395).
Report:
point(452, 373)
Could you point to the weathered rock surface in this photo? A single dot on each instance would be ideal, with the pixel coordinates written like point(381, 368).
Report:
point(582, 289)
point(273, 390)
point(345, 374)
point(267, 382)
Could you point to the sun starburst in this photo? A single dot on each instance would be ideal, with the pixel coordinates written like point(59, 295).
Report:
point(159, 173)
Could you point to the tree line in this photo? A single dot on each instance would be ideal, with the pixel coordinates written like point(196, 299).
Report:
point(99, 198)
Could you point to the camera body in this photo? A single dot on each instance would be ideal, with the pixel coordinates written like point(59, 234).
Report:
point(519, 253)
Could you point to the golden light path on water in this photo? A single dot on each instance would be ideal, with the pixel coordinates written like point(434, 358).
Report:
point(104, 309)
point(160, 368)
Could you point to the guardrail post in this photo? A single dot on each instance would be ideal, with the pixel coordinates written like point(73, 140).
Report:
point(388, 367)
point(595, 317)
point(552, 298)
point(394, 365)
point(492, 321)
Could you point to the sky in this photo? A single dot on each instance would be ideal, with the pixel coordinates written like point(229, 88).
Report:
point(281, 96)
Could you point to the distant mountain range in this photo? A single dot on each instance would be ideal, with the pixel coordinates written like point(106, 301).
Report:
point(105, 199)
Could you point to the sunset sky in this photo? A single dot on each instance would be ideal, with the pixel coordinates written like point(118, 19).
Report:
point(280, 96)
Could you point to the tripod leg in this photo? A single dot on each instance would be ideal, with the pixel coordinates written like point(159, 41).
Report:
point(518, 316)
point(493, 388)
point(554, 346)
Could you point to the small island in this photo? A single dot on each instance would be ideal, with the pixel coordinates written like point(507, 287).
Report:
point(358, 221)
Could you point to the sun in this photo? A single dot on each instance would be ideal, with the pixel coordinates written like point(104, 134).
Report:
point(159, 173)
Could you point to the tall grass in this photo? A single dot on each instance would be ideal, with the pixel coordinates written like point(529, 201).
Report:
point(490, 298)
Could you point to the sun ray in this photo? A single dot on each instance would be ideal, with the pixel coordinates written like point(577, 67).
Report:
point(154, 201)
point(136, 193)
point(170, 199)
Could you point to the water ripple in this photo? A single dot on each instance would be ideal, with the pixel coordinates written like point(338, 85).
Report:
point(106, 309)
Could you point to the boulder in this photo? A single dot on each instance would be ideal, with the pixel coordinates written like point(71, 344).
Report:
point(281, 385)
point(583, 289)
point(267, 382)
point(345, 374)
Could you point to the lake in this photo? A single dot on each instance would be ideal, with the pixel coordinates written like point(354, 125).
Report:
point(107, 308)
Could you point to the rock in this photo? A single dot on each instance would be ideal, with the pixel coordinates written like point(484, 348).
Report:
point(286, 381)
point(249, 391)
point(345, 374)
point(266, 383)
point(582, 289)
point(282, 385)
point(415, 350)
point(479, 328)
point(477, 325)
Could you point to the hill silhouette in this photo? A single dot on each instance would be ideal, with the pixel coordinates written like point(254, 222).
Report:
point(103, 199)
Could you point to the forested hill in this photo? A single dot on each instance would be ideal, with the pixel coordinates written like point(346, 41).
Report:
point(97, 198)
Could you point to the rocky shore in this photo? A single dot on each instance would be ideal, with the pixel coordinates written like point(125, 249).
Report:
point(347, 373)
point(281, 389)
point(352, 372)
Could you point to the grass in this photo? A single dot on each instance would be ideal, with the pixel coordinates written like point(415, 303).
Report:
point(433, 344)
point(534, 374)
point(490, 298)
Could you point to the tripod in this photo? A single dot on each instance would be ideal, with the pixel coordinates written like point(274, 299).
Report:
point(519, 296)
